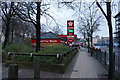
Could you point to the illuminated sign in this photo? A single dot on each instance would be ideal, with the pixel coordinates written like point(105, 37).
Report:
point(70, 27)
point(70, 23)
point(71, 34)
point(70, 30)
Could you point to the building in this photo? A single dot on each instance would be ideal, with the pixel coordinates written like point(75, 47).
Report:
point(94, 40)
point(117, 25)
point(48, 37)
point(105, 39)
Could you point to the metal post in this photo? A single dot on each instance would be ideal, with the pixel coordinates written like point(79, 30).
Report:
point(105, 58)
point(91, 51)
point(31, 56)
point(96, 54)
point(37, 69)
point(114, 61)
point(100, 55)
point(13, 71)
point(8, 55)
point(59, 58)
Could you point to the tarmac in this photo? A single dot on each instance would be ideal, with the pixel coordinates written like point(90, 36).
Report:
point(82, 66)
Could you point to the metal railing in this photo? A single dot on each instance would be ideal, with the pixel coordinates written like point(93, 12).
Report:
point(103, 57)
point(59, 57)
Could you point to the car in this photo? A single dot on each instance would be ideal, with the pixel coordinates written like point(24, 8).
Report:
point(115, 44)
point(97, 47)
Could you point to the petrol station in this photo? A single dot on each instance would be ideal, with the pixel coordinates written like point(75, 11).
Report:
point(50, 37)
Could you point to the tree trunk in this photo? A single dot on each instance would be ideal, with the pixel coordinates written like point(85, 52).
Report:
point(88, 45)
point(38, 27)
point(108, 18)
point(23, 37)
point(111, 66)
point(91, 44)
point(6, 34)
point(12, 35)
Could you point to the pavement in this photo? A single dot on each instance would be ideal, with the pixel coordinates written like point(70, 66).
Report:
point(82, 66)
point(87, 66)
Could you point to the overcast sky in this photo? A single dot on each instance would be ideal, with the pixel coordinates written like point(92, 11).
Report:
point(63, 14)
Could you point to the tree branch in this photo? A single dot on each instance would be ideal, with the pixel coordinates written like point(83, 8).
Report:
point(101, 9)
point(51, 17)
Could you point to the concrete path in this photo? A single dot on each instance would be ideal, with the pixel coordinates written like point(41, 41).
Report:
point(87, 66)
point(82, 66)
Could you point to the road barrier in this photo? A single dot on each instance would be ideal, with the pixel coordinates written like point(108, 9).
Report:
point(103, 57)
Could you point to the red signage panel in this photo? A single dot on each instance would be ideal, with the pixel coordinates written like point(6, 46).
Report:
point(70, 27)
point(70, 40)
point(71, 34)
point(70, 23)
point(49, 41)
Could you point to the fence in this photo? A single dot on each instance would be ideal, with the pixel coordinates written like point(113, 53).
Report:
point(13, 68)
point(103, 57)
point(56, 58)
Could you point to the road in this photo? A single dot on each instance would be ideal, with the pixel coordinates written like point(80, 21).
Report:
point(116, 50)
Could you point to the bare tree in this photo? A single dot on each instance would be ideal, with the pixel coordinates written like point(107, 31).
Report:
point(108, 18)
point(90, 21)
point(27, 11)
point(7, 14)
point(31, 12)
point(22, 28)
point(84, 30)
point(57, 30)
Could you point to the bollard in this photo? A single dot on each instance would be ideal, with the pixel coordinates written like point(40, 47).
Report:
point(13, 71)
point(37, 69)
point(105, 58)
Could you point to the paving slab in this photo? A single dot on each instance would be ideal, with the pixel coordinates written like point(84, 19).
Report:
point(87, 66)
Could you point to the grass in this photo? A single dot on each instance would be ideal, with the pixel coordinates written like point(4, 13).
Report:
point(47, 66)
point(19, 48)
point(48, 48)
point(46, 63)
point(53, 48)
